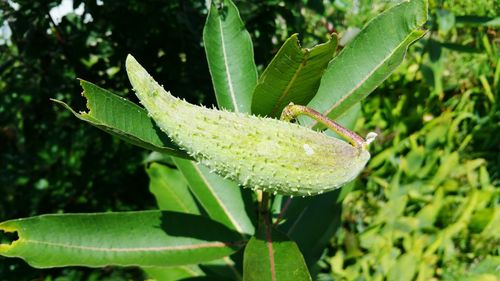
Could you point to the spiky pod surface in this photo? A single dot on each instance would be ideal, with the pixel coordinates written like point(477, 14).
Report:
point(259, 153)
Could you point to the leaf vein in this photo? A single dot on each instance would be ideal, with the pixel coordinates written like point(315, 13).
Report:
point(134, 249)
point(360, 83)
point(219, 202)
point(286, 92)
point(228, 74)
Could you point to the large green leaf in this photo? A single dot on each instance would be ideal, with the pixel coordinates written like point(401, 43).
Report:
point(124, 119)
point(270, 255)
point(171, 190)
point(292, 76)
point(222, 199)
point(369, 58)
point(172, 193)
point(148, 238)
point(230, 56)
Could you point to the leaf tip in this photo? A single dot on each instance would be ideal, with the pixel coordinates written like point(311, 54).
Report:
point(66, 106)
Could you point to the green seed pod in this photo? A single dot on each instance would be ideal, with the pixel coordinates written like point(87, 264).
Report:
point(260, 153)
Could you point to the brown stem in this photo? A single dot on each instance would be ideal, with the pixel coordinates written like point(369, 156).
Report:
point(291, 112)
point(264, 204)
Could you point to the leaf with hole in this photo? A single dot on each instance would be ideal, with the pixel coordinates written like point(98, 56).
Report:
point(147, 238)
point(124, 119)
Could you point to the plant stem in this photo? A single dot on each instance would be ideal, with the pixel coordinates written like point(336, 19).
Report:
point(292, 111)
point(264, 203)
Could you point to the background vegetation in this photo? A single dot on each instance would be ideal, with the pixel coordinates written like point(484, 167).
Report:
point(435, 171)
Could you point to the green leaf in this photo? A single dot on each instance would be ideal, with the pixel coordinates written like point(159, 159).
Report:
point(404, 269)
point(445, 20)
point(173, 273)
point(478, 20)
point(460, 48)
point(206, 278)
point(229, 51)
point(492, 229)
point(489, 265)
point(223, 200)
point(369, 58)
point(270, 255)
point(224, 269)
point(292, 76)
point(301, 223)
point(172, 193)
point(147, 238)
point(124, 119)
point(171, 190)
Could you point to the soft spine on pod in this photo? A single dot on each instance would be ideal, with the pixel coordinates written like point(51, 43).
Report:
point(259, 153)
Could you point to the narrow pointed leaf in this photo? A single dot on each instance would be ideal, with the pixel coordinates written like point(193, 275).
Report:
point(292, 76)
point(270, 255)
point(148, 238)
point(369, 58)
point(229, 51)
point(222, 199)
point(171, 190)
point(124, 119)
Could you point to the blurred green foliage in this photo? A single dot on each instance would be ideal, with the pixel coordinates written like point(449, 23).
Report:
point(429, 205)
point(50, 163)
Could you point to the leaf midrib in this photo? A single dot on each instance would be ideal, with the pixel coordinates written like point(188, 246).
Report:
point(176, 198)
point(286, 92)
point(217, 199)
point(357, 86)
point(132, 249)
point(228, 74)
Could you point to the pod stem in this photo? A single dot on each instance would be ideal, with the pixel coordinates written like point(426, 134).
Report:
point(292, 111)
point(264, 199)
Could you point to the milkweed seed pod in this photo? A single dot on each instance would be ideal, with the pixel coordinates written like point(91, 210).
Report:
point(259, 153)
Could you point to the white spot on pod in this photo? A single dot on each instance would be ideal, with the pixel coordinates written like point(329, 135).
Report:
point(308, 149)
